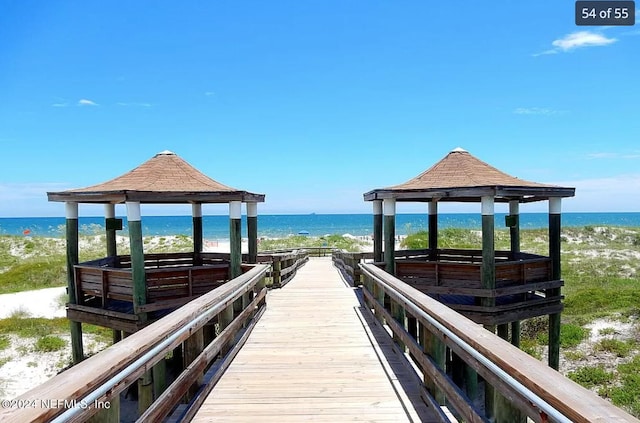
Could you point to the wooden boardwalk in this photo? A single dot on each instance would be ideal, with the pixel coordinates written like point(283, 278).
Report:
point(314, 356)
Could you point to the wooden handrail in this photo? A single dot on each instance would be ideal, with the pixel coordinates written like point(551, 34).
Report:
point(98, 374)
point(499, 362)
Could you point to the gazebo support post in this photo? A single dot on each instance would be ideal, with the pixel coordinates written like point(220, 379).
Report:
point(196, 213)
point(502, 409)
point(488, 249)
point(235, 238)
point(252, 231)
point(71, 212)
point(109, 224)
point(555, 206)
point(145, 382)
point(488, 275)
point(137, 258)
point(390, 235)
point(433, 230)
point(112, 249)
point(514, 236)
point(252, 239)
point(377, 231)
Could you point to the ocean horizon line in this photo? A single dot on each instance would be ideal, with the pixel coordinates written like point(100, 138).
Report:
point(98, 215)
point(282, 225)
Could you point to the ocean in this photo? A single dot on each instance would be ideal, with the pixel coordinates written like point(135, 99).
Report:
point(278, 226)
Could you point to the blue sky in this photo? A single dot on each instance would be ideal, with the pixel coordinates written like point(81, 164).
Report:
point(315, 102)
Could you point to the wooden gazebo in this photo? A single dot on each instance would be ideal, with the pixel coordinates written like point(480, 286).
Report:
point(125, 293)
point(491, 287)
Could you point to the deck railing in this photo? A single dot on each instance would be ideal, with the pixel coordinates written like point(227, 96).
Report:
point(515, 384)
point(348, 264)
point(523, 284)
point(81, 391)
point(284, 265)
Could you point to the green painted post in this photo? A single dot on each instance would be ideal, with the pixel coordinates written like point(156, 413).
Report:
point(433, 230)
point(504, 412)
point(488, 249)
point(503, 331)
point(196, 213)
point(71, 210)
point(390, 235)
point(488, 275)
point(514, 236)
point(112, 246)
point(193, 346)
point(377, 231)
point(137, 258)
point(159, 373)
point(116, 336)
point(555, 205)
point(252, 231)
point(109, 223)
point(398, 313)
point(439, 354)
point(145, 392)
point(225, 318)
point(235, 238)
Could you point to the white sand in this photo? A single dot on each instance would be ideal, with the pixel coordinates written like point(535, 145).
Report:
point(25, 368)
point(47, 303)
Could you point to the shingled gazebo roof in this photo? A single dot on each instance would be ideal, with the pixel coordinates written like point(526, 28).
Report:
point(164, 179)
point(461, 177)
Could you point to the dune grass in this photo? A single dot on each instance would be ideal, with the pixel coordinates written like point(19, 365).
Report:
point(299, 241)
point(28, 263)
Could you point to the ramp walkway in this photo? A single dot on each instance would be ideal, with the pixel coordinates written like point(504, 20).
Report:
point(316, 355)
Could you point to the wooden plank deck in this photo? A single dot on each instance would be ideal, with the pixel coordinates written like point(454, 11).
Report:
point(313, 356)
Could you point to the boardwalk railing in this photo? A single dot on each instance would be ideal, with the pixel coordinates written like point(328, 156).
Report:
point(515, 385)
point(284, 264)
point(94, 385)
point(348, 263)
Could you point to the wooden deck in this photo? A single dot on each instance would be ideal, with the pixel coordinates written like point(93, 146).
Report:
point(315, 356)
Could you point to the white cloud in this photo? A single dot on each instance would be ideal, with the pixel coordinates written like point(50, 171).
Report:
point(582, 39)
point(209, 93)
point(85, 102)
point(60, 105)
point(613, 193)
point(576, 40)
point(536, 111)
point(545, 53)
point(609, 155)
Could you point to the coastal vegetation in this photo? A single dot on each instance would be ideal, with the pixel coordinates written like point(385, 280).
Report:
point(600, 332)
point(347, 243)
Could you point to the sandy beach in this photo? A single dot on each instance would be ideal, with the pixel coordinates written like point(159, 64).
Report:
point(25, 368)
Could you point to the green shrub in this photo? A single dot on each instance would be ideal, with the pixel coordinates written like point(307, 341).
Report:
point(575, 355)
point(5, 342)
point(615, 346)
point(416, 241)
point(590, 377)
point(50, 343)
point(33, 326)
point(530, 346)
point(572, 335)
point(627, 394)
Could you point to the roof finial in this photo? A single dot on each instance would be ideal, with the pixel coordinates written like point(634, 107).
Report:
point(459, 150)
point(166, 153)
